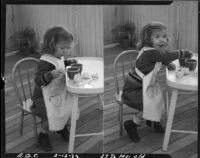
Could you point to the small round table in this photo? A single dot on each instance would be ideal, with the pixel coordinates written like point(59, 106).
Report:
point(187, 82)
point(91, 65)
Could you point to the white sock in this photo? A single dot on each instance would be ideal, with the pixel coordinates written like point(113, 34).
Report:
point(136, 120)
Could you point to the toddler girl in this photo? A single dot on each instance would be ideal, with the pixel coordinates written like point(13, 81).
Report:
point(50, 83)
point(141, 91)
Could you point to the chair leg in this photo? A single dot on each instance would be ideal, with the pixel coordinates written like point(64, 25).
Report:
point(35, 127)
point(100, 101)
point(21, 122)
point(121, 119)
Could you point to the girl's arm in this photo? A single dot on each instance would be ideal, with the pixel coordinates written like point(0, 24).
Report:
point(164, 57)
point(43, 75)
point(147, 60)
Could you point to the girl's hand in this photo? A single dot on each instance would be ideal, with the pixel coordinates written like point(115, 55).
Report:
point(69, 62)
point(186, 54)
point(171, 67)
point(62, 78)
point(56, 72)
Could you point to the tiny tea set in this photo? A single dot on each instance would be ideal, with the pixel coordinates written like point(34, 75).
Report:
point(187, 66)
point(75, 74)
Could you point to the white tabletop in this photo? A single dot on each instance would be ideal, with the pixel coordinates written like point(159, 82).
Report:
point(187, 82)
point(91, 65)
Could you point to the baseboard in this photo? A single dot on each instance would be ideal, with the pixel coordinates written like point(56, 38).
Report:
point(7, 54)
point(110, 45)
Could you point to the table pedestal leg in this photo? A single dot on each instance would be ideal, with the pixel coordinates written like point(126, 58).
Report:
point(167, 101)
point(101, 102)
point(170, 119)
point(73, 122)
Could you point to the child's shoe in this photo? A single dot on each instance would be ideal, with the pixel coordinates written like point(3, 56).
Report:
point(43, 140)
point(64, 133)
point(131, 129)
point(157, 126)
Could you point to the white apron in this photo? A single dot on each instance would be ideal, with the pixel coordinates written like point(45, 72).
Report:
point(153, 101)
point(57, 101)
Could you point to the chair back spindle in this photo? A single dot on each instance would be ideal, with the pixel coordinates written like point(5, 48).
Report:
point(22, 84)
point(29, 81)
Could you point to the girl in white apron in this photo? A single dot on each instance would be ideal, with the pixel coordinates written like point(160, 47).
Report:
point(141, 90)
point(50, 98)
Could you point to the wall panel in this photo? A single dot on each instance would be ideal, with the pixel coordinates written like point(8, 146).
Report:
point(180, 17)
point(84, 21)
point(90, 30)
point(112, 16)
point(91, 25)
point(188, 34)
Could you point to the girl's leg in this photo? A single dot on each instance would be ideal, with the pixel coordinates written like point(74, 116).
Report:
point(64, 133)
point(44, 126)
point(43, 138)
point(137, 118)
point(156, 125)
point(131, 127)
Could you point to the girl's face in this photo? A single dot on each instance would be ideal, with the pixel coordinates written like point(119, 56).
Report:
point(160, 40)
point(63, 48)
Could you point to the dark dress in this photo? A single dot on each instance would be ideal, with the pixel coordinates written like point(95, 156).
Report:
point(132, 89)
point(43, 77)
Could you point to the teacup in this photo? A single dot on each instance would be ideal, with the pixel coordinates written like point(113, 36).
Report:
point(186, 71)
point(78, 65)
point(182, 61)
point(189, 53)
point(69, 62)
point(180, 73)
point(191, 64)
point(72, 71)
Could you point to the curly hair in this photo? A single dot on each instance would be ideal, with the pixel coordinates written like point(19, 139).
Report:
point(147, 31)
point(53, 36)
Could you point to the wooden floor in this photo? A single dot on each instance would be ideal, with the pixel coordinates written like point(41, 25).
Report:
point(94, 120)
point(180, 146)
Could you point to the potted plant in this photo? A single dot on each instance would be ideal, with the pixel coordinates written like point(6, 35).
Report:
point(25, 41)
point(125, 34)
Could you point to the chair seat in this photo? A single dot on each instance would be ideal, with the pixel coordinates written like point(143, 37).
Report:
point(27, 105)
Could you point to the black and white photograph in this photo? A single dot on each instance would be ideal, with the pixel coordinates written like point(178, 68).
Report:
point(150, 85)
point(54, 79)
point(100, 78)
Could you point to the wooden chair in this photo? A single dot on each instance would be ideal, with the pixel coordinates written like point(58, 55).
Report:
point(122, 64)
point(22, 78)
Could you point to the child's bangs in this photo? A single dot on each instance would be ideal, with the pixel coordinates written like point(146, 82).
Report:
point(158, 28)
point(64, 36)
